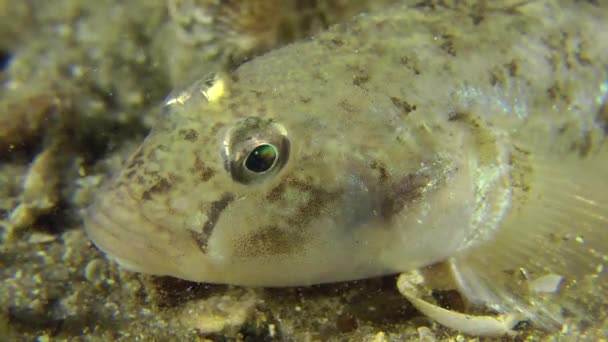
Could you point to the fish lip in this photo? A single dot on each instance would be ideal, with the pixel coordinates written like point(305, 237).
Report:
point(116, 228)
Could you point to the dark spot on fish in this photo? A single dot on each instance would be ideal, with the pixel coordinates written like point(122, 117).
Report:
point(410, 63)
point(485, 139)
point(556, 92)
point(400, 194)
point(151, 174)
point(151, 154)
point(563, 49)
point(521, 171)
point(332, 43)
point(360, 77)
point(291, 231)
point(522, 150)
point(161, 186)
point(424, 4)
point(318, 200)
point(305, 99)
point(563, 129)
point(448, 44)
point(494, 78)
point(213, 215)
point(403, 105)
point(581, 57)
point(602, 117)
point(201, 171)
point(216, 126)
point(513, 69)
point(501, 74)
point(477, 18)
point(584, 145)
point(479, 12)
point(174, 178)
point(276, 193)
point(377, 48)
point(458, 116)
point(466, 118)
point(378, 165)
point(317, 75)
point(347, 106)
point(269, 240)
point(190, 135)
point(595, 3)
point(137, 159)
point(130, 174)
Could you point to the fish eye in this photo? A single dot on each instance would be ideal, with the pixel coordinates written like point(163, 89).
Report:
point(262, 158)
point(255, 149)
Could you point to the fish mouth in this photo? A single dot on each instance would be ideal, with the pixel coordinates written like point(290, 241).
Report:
point(114, 225)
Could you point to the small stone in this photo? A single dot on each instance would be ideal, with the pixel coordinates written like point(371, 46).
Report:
point(58, 274)
point(218, 314)
point(547, 284)
point(426, 335)
point(95, 271)
point(40, 190)
point(42, 238)
point(380, 337)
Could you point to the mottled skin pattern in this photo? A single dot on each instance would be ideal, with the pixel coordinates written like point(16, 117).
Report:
point(258, 25)
point(409, 132)
point(206, 34)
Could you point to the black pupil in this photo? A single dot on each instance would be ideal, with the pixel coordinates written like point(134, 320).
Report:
point(261, 158)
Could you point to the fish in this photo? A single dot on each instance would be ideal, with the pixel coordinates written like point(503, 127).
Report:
point(408, 137)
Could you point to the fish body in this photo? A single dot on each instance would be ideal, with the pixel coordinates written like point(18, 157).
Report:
point(406, 137)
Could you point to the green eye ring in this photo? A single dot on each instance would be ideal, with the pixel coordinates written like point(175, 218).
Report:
point(262, 158)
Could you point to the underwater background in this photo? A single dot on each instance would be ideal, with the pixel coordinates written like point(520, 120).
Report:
point(80, 88)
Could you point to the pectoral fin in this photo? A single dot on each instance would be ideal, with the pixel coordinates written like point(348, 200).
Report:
point(548, 260)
